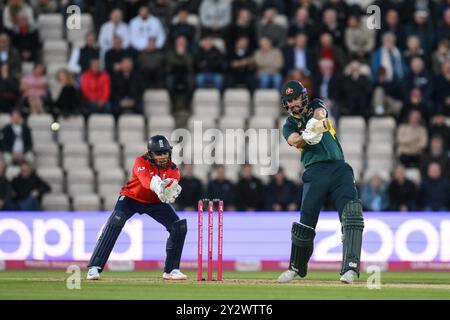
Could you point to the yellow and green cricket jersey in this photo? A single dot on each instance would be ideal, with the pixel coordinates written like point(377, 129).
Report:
point(327, 149)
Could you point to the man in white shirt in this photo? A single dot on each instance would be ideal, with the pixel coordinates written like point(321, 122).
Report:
point(146, 26)
point(115, 26)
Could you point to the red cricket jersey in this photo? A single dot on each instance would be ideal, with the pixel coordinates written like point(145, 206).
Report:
point(138, 187)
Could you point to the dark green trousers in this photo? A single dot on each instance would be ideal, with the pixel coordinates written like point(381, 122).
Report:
point(334, 178)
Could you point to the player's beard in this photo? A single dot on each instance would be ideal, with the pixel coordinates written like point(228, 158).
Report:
point(162, 163)
point(296, 110)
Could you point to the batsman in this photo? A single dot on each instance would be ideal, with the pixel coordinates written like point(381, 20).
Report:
point(152, 188)
point(309, 129)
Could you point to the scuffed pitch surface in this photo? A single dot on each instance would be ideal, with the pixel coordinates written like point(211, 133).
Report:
point(236, 285)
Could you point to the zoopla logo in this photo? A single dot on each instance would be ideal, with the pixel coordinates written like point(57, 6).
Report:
point(73, 21)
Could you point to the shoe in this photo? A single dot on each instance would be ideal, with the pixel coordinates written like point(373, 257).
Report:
point(287, 276)
point(175, 274)
point(349, 277)
point(93, 273)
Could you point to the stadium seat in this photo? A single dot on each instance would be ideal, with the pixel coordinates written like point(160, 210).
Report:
point(267, 111)
point(206, 110)
point(292, 168)
point(55, 202)
point(206, 122)
point(130, 128)
point(71, 130)
point(40, 121)
point(206, 97)
point(86, 202)
point(104, 163)
point(261, 123)
point(80, 181)
point(108, 189)
point(157, 97)
point(414, 175)
point(236, 97)
point(381, 123)
point(351, 124)
point(54, 177)
point(55, 51)
point(101, 128)
point(267, 98)
point(74, 35)
point(45, 161)
point(232, 122)
point(50, 26)
point(110, 201)
point(12, 171)
point(5, 119)
point(161, 125)
point(233, 110)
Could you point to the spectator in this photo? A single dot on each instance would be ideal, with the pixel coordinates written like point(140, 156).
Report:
point(423, 28)
point(435, 189)
point(239, 5)
point(412, 138)
point(440, 55)
point(215, 16)
point(442, 90)
point(95, 88)
point(278, 5)
point(80, 58)
point(182, 27)
point(115, 55)
point(439, 127)
point(115, 27)
point(44, 6)
point(389, 57)
point(443, 31)
point(9, 89)
point(163, 10)
point(240, 65)
point(10, 56)
point(418, 77)
point(327, 49)
point(34, 88)
point(413, 49)
point(6, 190)
point(309, 6)
point(180, 74)
point(281, 194)
point(68, 102)
point(302, 23)
point(243, 27)
point(209, 65)
point(298, 56)
point(19, 22)
point(326, 85)
point(29, 189)
point(387, 95)
point(268, 28)
point(374, 194)
point(17, 142)
point(414, 102)
point(145, 26)
point(249, 190)
point(356, 89)
point(221, 188)
point(340, 8)
point(126, 93)
point(192, 189)
point(151, 63)
point(402, 191)
point(436, 154)
point(359, 40)
point(331, 26)
point(268, 61)
point(392, 25)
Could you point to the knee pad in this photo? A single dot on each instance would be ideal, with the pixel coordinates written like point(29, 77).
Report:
point(179, 228)
point(352, 217)
point(117, 219)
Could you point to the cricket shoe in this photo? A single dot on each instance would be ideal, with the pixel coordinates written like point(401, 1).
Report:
point(349, 277)
point(175, 274)
point(93, 274)
point(287, 276)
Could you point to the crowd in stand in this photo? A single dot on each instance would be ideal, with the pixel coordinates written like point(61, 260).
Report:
point(401, 69)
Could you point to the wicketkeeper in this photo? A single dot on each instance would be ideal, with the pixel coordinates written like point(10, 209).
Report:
point(326, 173)
point(152, 188)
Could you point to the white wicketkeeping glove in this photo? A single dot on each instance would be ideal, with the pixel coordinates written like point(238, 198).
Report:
point(157, 186)
point(173, 191)
point(309, 135)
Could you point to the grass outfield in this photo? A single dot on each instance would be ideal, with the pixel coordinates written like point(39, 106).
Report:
point(236, 285)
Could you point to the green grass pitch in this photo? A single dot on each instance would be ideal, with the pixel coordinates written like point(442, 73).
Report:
point(236, 285)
